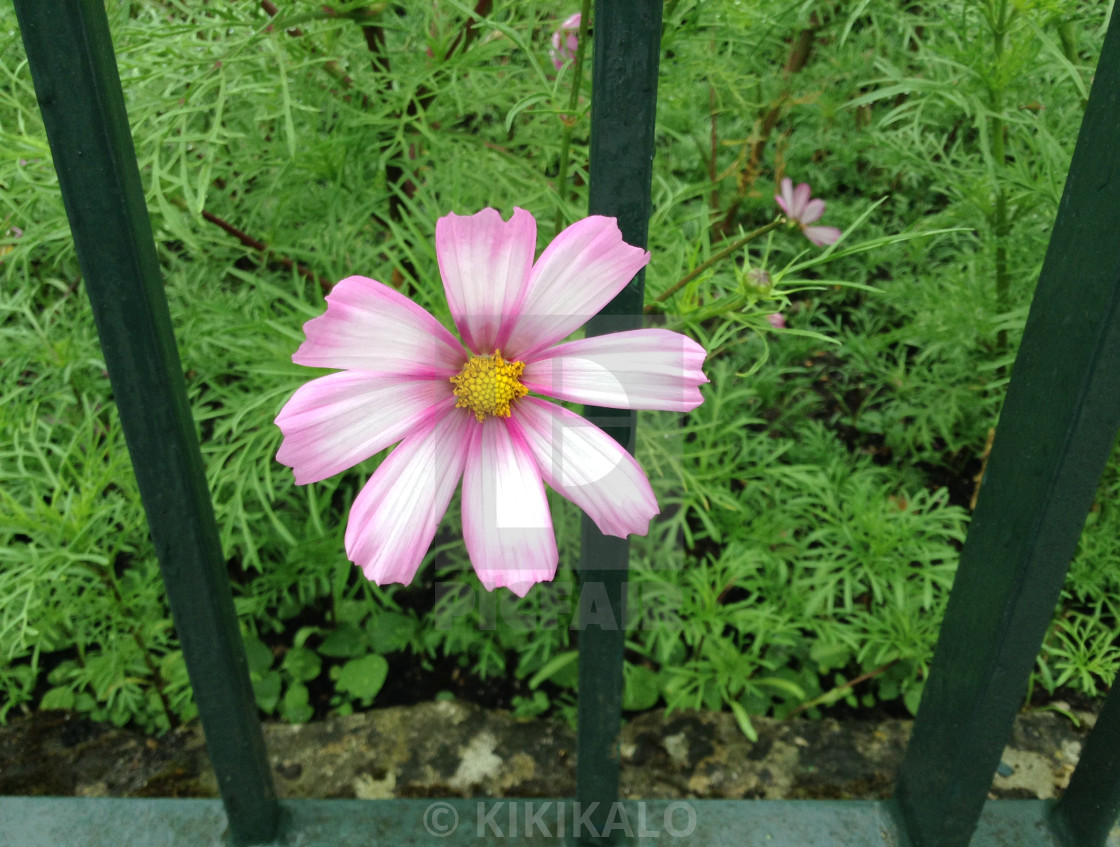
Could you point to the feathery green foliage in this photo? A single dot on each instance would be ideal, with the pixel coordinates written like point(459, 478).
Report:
point(812, 508)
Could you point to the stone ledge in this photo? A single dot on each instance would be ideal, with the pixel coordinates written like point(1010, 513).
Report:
point(456, 749)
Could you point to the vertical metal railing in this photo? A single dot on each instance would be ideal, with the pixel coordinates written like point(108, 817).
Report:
point(76, 81)
point(1056, 430)
point(1091, 801)
point(623, 112)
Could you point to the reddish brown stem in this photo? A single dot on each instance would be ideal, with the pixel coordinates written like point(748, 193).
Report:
point(799, 53)
point(462, 41)
point(851, 683)
point(271, 259)
point(466, 35)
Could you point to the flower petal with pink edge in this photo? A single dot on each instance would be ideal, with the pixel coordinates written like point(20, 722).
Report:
point(584, 464)
point(821, 235)
point(395, 516)
point(370, 327)
point(581, 271)
point(812, 212)
point(639, 369)
point(485, 264)
point(785, 197)
point(800, 203)
point(565, 41)
point(338, 420)
point(506, 522)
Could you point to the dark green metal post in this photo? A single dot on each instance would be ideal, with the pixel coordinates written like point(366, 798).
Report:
point(623, 108)
point(1057, 427)
point(1091, 802)
point(75, 73)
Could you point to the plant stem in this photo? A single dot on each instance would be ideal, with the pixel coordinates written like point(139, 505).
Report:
point(270, 258)
point(717, 257)
point(109, 578)
point(569, 120)
point(713, 173)
point(999, 155)
point(834, 692)
point(800, 50)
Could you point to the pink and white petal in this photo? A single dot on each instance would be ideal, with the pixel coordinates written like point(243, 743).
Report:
point(585, 465)
point(639, 369)
point(338, 420)
point(581, 271)
point(822, 236)
point(506, 522)
point(813, 211)
point(800, 200)
point(369, 326)
point(485, 264)
point(785, 197)
point(395, 516)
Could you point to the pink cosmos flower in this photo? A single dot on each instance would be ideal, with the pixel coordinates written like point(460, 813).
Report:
point(776, 320)
point(467, 414)
point(802, 211)
point(565, 41)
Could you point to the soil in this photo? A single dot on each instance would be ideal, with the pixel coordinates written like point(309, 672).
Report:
point(449, 748)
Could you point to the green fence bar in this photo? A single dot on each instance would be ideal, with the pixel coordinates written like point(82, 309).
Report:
point(72, 63)
point(1057, 427)
point(627, 46)
point(1091, 801)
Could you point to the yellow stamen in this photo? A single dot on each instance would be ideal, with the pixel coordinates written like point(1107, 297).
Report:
point(488, 384)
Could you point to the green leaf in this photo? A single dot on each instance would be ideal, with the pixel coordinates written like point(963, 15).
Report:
point(296, 705)
point(562, 670)
point(829, 656)
point(391, 631)
point(302, 664)
point(345, 642)
point(744, 721)
point(789, 687)
point(913, 697)
point(58, 698)
point(530, 707)
point(641, 689)
point(259, 656)
point(520, 106)
point(266, 690)
point(362, 678)
point(351, 611)
point(888, 690)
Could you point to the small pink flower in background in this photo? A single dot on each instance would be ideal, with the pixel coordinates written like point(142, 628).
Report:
point(12, 232)
point(467, 415)
point(565, 41)
point(802, 211)
point(777, 320)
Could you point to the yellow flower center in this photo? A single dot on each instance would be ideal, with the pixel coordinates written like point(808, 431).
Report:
point(488, 384)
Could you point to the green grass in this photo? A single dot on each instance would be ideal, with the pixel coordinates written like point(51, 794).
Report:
point(812, 508)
